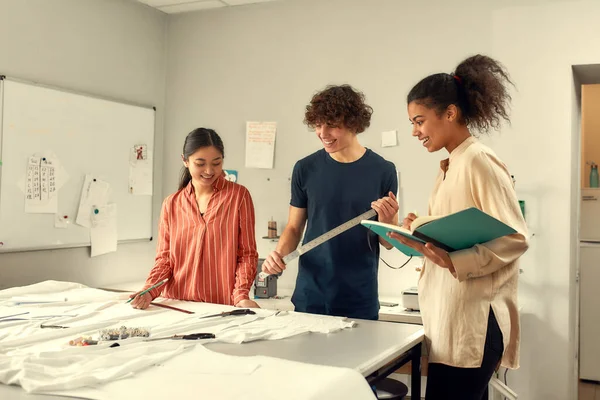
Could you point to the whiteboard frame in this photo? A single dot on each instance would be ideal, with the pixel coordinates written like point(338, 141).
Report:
point(77, 92)
point(80, 93)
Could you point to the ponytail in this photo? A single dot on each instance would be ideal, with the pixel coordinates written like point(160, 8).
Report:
point(185, 178)
point(478, 88)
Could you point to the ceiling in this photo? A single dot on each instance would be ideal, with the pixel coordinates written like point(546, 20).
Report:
point(179, 6)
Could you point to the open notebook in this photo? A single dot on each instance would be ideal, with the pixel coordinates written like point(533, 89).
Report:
point(458, 231)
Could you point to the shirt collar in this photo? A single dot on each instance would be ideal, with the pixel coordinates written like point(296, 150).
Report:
point(444, 164)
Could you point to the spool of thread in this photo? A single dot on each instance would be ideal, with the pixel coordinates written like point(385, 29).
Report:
point(272, 229)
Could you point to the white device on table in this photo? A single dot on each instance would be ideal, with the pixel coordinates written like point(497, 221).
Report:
point(410, 299)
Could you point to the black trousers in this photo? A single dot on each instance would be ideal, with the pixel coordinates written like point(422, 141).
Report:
point(452, 383)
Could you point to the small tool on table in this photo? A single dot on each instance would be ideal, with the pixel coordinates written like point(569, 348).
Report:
point(191, 336)
point(171, 307)
point(241, 311)
point(143, 292)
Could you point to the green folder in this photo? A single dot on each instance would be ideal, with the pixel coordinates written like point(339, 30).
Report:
point(458, 231)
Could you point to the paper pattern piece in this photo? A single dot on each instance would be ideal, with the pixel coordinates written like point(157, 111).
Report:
point(103, 233)
point(41, 186)
point(94, 193)
point(140, 171)
point(260, 144)
point(389, 139)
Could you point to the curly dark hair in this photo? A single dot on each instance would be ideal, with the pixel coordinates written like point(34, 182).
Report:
point(339, 106)
point(478, 87)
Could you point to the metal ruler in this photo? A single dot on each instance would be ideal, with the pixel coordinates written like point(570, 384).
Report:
point(328, 235)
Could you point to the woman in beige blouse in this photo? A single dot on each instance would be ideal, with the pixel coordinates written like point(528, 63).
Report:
point(468, 298)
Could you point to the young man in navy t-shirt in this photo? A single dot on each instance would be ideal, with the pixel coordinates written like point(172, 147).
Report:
point(329, 187)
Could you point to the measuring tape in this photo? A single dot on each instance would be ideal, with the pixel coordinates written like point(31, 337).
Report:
point(324, 237)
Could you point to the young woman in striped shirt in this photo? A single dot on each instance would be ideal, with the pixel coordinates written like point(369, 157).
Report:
point(206, 243)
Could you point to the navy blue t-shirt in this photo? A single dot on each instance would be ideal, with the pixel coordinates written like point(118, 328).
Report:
point(339, 277)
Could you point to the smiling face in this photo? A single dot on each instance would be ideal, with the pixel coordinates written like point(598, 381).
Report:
point(334, 138)
point(433, 130)
point(205, 166)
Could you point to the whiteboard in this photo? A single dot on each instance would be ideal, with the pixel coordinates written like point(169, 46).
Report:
point(86, 135)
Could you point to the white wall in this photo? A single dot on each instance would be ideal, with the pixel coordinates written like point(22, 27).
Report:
point(539, 45)
point(264, 63)
point(112, 48)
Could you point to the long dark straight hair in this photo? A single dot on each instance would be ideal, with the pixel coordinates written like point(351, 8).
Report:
point(195, 140)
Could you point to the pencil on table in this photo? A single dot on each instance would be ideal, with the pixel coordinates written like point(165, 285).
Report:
point(143, 292)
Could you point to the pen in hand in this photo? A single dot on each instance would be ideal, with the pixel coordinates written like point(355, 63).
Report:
point(143, 292)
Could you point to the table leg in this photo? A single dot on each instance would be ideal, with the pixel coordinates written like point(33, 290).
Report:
point(415, 373)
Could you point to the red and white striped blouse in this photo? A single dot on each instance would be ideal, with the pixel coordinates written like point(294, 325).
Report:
point(210, 258)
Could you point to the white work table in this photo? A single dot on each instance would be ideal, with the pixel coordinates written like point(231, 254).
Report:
point(365, 348)
point(369, 348)
point(391, 314)
point(374, 349)
point(283, 302)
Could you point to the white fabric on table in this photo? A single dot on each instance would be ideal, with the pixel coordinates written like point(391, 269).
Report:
point(83, 366)
point(273, 379)
point(41, 361)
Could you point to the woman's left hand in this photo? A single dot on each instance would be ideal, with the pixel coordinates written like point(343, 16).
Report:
point(433, 253)
point(247, 304)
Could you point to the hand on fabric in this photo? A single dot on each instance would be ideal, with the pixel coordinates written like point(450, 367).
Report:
point(247, 304)
point(433, 253)
point(387, 208)
point(141, 302)
point(273, 263)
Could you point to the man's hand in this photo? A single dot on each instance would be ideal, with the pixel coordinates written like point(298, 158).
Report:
point(387, 209)
point(273, 264)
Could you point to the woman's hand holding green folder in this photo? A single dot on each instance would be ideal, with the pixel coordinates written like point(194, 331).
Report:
point(434, 237)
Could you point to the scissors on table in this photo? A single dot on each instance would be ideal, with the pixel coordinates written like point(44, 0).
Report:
point(191, 336)
point(240, 311)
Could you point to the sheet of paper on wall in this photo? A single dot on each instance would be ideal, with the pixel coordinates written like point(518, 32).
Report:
point(260, 144)
point(94, 193)
point(139, 152)
point(103, 233)
point(140, 171)
point(389, 139)
point(41, 183)
point(40, 188)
